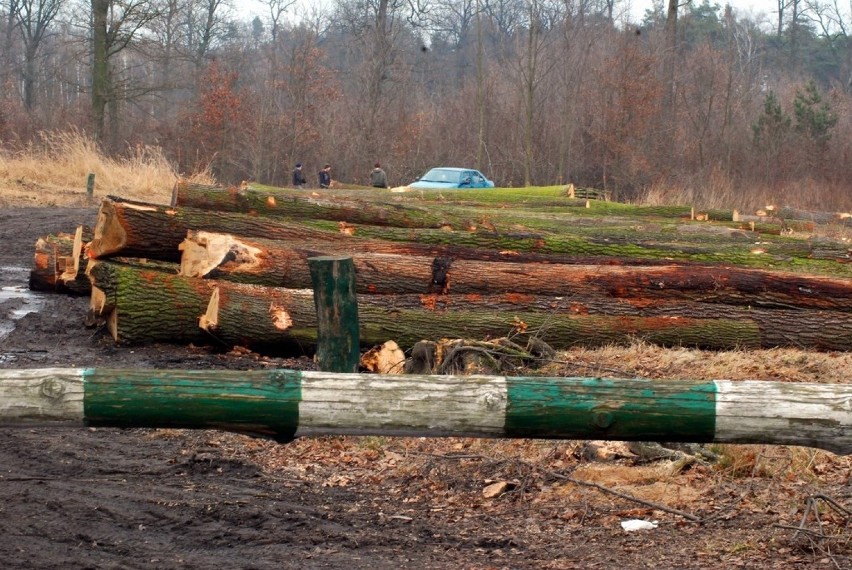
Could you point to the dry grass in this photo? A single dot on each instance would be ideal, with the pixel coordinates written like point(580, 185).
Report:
point(718, 191)
point(54, 172)
point(650, 361)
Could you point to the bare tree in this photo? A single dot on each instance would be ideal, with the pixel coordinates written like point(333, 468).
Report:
point(115, 24)
point(206, 23)
point(380, 29)
point(277, 9)
point(9, 38)
point(533, 68)
point(669, 59)
point(34, 19)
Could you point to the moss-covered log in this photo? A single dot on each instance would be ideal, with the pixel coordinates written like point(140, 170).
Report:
point(152, 306)
point(151, 231)
point(273, 263)
point(154, 232)
point(303, 205)
point(795, 328)
point(143, 303)
point(266, 318)
point(146, 306)
point(783, 254)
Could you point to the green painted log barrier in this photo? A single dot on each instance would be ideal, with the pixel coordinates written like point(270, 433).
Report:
point(283, 404)
point(338, 341)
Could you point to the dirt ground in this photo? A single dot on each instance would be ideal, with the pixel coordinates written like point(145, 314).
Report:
point(111, 498)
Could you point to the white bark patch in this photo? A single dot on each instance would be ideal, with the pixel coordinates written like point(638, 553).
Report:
point(205, 251)
point(281, 319)
point(43, 395)
point(209, 321)
point(416, 405)
point(787, 413)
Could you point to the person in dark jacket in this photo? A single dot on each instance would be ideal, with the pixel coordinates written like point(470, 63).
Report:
point(378, 178)
point(325, 176)
point(299, 176)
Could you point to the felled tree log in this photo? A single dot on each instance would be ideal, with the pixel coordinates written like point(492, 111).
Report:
point(142, 303)
point(814, 329)
point(264, 317)
point(145, 306)
point(553, 198)
point(274, 263)
point(841, 218)
point(133, 229)
point(155, 232)
point(306, 205)
point(285, 404)
point(54, 263)
point(799, 256)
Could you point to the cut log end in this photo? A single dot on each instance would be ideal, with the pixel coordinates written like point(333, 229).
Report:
point(387, 358)
point(209, 321)
point(72, 263)
point(110, 236)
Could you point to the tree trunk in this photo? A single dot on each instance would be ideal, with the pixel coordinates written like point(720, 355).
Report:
point(151, 231)
point(253, 316)
point(276, 264)
point(145, 305)
point(142, 303)
point(150, 305)
point(284, 404)
point(305, 206)
point(101, 80)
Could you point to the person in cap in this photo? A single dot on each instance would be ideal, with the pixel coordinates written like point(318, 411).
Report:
point(299, 176)
point(378, 178)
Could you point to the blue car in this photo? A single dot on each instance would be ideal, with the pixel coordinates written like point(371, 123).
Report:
point(452, 178)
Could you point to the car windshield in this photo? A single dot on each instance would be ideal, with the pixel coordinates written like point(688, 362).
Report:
point(442, 175)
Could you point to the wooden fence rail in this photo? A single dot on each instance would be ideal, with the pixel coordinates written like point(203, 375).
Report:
point(283, 404)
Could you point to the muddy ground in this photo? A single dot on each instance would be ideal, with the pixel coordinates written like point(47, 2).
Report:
point(110, 498)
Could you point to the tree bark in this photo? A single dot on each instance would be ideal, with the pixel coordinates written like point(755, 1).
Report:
point(252, 316)
point(152, 231)
point(305, 206)
point(144, 303)
point(276, 264)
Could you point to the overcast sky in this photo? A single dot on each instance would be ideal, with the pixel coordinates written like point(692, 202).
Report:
point(741, 6)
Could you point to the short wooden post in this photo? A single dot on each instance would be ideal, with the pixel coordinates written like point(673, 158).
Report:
point(338, 339)
point(90, 187)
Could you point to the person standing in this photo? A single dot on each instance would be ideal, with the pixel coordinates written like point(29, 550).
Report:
point(378, 178)
point(299, 176)
point(325, 176)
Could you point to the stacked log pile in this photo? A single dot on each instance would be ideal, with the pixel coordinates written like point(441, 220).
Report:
point(229, 267)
